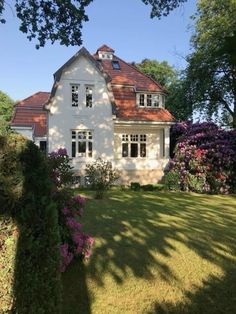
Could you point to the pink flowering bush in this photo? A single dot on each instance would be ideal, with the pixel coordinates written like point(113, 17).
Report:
point(204, 159)
point(60, 168)
point(74, 242)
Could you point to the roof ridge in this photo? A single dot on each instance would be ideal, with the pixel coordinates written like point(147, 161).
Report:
point(133, 67)
point(24, 99)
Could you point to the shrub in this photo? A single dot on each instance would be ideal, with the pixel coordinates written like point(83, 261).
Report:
point(8, 243)
point(172, 181)
point(27, 191)
point(148, 187)
point(204, 158)
point(135, 186)
point(101, 176)
point(73, 241)
point(60, 169)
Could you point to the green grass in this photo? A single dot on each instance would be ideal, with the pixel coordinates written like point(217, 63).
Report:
point(156, 252)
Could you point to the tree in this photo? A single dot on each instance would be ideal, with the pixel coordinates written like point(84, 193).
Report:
point(62, 21)
point(211, 70)
point(174, 82)
point(6, 111)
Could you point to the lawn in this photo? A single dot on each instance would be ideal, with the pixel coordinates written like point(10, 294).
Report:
point(156, 252)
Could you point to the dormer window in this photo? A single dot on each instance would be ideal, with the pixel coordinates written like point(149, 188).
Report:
point(115, 65)
point(105, 55)
point(150, 100)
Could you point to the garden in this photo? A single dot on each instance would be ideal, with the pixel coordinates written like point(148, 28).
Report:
point(163, 248)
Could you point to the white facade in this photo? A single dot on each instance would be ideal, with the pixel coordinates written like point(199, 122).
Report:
point(105, 131)
point(63, 118)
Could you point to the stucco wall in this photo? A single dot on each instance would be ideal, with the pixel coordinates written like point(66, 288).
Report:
point(63, 117)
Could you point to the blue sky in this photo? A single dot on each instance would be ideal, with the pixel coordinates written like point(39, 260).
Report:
point(124, 25)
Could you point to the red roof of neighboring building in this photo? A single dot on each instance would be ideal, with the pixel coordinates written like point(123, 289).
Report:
point(37, 100)
point(30, 112)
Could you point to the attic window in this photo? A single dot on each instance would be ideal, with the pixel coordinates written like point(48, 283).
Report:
point(115, 65)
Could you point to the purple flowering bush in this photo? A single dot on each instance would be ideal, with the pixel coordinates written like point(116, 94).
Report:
point(74, 242)
point(204, 159)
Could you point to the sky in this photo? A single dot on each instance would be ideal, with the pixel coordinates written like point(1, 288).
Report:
point(124, 25)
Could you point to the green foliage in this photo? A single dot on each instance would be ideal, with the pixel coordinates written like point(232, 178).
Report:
point(101, 176)
point(8, 242)
point(175, 83)
point(26, 189)
point(171, 181)
point(6, 106)
point(211, 70)
point(63, 20)
point(135, 186)
point(161, 72)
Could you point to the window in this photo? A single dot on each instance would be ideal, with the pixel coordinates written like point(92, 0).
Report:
point(89, 96)
point(115, 65)
point(82, 144)
point(43, 146)
point(75, 95)
point(134, 145)
point(150, 100)
point(141, 100)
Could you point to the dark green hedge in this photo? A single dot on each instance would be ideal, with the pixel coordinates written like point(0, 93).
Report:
point(25, 195)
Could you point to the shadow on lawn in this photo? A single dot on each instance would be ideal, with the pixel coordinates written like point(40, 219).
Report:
point(132, 228)
point(217, 296)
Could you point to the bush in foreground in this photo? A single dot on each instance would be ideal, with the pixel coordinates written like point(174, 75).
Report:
point(26, 191)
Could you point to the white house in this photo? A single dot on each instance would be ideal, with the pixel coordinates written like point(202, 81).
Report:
point(101, 106)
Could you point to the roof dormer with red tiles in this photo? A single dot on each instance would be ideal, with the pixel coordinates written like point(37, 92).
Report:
point(137, 96)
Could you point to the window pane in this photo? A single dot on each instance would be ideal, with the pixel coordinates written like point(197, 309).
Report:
point(149, 100)
point(125, 137)
point(73, 149)
point(75, 95)
point(156, 100)
point(142, 137)
point(90, 149)
point(134, 150)
point(134, 137)
point(89, 97)
point(125, 150)
point(73, 134)
point(82, 147)
point(81, 135)
point(43, 146)
point(141, 100)
point(143, 150)
point(115, 65)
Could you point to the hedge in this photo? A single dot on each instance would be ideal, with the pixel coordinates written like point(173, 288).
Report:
point(25, 196)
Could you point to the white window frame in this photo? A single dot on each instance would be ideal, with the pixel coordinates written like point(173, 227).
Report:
point(150, 100)
point(132, 138)
point(81, 136)
point(74, 89)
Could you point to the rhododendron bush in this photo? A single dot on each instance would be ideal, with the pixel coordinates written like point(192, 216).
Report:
point(74, 242)
point(204, 158)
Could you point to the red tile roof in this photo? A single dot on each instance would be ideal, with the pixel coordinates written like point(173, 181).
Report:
point(30, 112)
point(125, 82)
point(37, 100)
point(126, 108)
point(105, 48)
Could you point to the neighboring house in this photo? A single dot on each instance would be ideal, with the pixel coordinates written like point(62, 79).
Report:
point(30, 118)
point(101, 106)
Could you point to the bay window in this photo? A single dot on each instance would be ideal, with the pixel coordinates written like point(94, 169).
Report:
point(134, 145)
